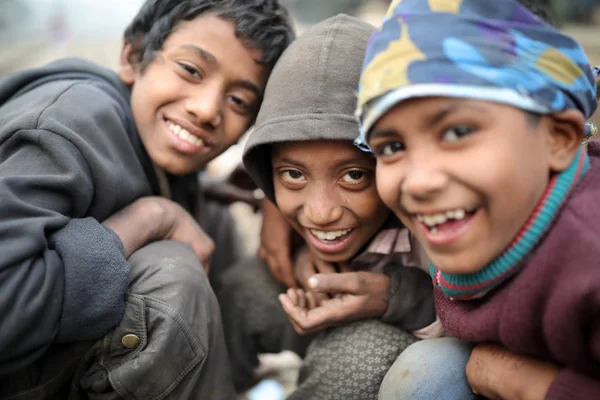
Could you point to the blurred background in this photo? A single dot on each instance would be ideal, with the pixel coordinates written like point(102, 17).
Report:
point(34, 32)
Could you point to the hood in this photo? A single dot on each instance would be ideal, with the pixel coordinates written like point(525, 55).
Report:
point(69, 68)
point(311, 93)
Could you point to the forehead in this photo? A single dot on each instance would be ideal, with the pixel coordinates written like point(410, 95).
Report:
point(430, 110)
point(322, 152)
point(216, 37)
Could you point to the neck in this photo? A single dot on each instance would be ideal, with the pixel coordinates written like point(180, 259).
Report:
point(476, 285)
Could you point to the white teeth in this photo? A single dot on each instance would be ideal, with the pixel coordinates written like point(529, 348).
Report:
point(333, 235)
point(184, 134)
point(433, 220)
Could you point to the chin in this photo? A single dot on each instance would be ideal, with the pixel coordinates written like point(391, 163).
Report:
point(451, 264)
point(333, 258)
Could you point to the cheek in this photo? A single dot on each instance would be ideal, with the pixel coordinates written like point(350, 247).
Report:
point(388, 185)
point(367, 205)
point(234, 127)
point(288, 201)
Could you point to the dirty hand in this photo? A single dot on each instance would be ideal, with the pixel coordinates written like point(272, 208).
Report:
point(306, 266)
point(154, 218)
point(496, 373)
point(276, 243)
point(358, 295)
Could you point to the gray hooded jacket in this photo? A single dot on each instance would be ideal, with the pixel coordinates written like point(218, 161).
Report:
point(311, 96)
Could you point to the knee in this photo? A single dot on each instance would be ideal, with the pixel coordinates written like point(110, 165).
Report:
point(359, 354)
point(170, 274)
point(429, 369)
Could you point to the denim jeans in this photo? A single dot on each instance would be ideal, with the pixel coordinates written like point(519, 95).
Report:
point(429, 369)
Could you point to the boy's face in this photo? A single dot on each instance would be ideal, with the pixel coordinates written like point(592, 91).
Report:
point(463, 175)
point(326, 190)
point(197, 96)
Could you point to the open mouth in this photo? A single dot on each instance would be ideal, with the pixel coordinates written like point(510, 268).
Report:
point(331, 236)
point(444, 227)
point(330, 241)
point(183, 134)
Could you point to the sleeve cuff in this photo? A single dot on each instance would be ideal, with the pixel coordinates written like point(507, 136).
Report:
point(96, 279)
point(569, 384)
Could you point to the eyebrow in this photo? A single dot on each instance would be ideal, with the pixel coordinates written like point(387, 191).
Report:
point(338, 164)
point(292, 162)
point(430, 120)
point(211, 59)
point(448, 109)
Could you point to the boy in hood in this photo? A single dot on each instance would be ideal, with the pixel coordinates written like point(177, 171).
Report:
point(95, 166)
point(477, 129)
point(302, 156)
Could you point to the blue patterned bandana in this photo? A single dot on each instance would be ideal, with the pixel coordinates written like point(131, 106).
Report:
point(481, 49)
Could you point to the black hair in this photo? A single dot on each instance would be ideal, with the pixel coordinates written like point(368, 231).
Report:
point(541, 8)
point(259, 24)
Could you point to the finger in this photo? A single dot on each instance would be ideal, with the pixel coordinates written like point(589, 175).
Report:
point(299, 318)
point(344, 282)
point(324, 267)
point(262, 253)
point(274, 268)
point(311, 301)
point(292, 295)
point(286, 269)
point(301, 298)
point(294, 313)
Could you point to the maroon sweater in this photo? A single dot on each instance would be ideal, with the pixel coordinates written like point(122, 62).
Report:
point(551, 308)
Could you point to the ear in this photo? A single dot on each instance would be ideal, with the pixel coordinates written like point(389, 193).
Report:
point(129, 68)
point(564, 139)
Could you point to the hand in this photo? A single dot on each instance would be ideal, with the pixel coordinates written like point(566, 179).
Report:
point(155, 218)
point(306, 266)
point(275, 244)
point(237, 186)
point(183, 227)
point(496, 373)
point(359, 295)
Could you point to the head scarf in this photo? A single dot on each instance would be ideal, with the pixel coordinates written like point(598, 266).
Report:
point(489, 50)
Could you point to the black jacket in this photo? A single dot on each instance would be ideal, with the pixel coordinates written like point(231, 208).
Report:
point(70, 157)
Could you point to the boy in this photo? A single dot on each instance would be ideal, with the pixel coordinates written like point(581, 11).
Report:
point(477, 129)
point(301, 155)
point(84, 154)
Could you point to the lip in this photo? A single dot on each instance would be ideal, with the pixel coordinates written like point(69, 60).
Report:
point(330, 248)
point(446, 238)
point(184, 146)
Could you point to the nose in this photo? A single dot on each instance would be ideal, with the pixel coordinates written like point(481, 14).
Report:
point(323, 208)
point(424, 177)
point(205, 105)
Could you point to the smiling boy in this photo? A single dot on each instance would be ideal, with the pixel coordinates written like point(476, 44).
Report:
point(94, 168)
point(477, 129)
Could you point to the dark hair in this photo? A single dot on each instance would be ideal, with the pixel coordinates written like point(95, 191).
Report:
point(541, 8)
point(259, 24)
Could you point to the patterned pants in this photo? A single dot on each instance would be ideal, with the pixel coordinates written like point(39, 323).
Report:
point(347, 362)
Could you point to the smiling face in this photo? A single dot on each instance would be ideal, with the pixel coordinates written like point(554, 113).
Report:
point(197, 96)
point(326, 190)
point(464, 175)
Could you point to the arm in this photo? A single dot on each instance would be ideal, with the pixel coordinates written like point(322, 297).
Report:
point(411, 303)
point(61, 278)
point(276, 237)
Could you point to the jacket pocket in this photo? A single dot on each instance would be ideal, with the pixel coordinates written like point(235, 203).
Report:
point(151, 351)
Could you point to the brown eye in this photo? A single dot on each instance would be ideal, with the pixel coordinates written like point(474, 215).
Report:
point(293, 176)
point(354, 177)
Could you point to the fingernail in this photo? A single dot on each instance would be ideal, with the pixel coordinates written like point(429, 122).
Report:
point(313, 282)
